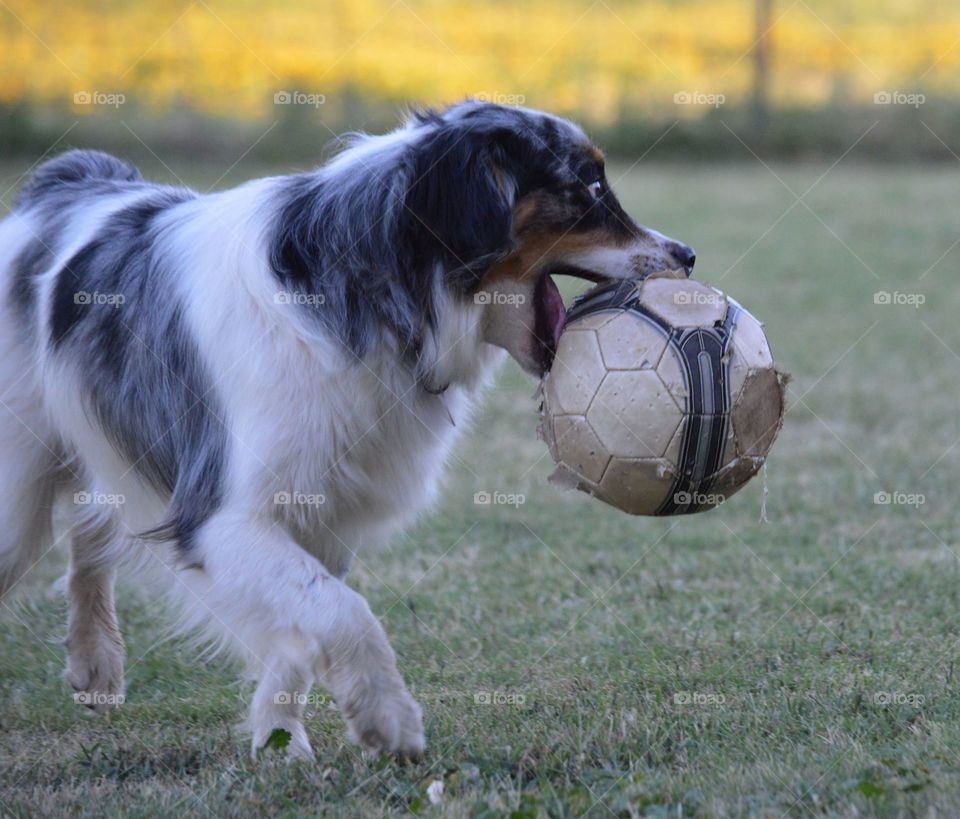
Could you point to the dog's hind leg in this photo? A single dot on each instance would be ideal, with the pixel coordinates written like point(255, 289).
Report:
point(30, 475)
point(95, 652)
point(28, 488)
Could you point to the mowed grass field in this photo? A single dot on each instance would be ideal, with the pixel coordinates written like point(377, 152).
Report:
point(574, 661)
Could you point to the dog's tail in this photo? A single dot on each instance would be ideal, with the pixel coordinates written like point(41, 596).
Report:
point(75, 170)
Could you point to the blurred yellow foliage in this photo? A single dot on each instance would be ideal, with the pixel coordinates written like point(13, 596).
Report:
point(597, 59)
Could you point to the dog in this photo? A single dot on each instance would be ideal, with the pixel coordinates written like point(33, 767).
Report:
point(243, 389)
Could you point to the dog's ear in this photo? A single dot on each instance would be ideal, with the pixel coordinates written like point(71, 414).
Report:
point(459, 202)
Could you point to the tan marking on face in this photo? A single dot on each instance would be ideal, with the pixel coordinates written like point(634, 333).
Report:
point(540, 245)
point(540, 210)
point(537, 250)
point(596, 155)
point(528, 209)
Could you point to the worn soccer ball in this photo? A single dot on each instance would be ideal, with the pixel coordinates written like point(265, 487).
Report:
point(663, 397)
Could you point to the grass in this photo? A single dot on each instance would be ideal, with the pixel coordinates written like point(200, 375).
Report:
point(710, 666)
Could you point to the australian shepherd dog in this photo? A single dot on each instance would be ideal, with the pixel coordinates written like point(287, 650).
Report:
point(243, 389)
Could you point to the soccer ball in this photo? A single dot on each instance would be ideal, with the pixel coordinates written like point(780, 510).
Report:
point(663, 397)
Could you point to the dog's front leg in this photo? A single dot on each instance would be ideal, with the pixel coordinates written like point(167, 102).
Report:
point(281, 698)
point(360, 668)
point(291, 619)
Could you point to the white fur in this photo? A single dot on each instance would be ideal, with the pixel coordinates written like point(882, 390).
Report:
point(304, 415)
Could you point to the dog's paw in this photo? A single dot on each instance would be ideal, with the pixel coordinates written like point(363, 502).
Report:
point(388, 721)
point(95, 671)
point(291, 736)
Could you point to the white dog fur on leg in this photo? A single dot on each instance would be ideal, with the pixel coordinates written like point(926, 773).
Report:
point(293, 621)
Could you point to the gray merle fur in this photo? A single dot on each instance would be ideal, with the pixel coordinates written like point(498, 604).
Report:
point(115, 309)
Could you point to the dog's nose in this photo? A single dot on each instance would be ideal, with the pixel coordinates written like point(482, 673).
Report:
point(685, 256)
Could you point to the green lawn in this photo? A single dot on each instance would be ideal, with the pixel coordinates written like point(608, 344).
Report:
point(710, 666)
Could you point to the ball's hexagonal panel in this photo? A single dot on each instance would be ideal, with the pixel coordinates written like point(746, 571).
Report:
point(576, 372)
point(579, 448)
point(631, 342)
point(751, 342)
point(684, 302)
point(594, 321)
point(672, 375)
point(729, 480)
point(758, 413)
point(636, 485)
point(633, 414)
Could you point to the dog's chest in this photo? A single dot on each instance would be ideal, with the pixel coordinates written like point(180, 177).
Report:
point(370, 459)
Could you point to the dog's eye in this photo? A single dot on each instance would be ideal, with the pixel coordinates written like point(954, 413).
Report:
point(597, 188)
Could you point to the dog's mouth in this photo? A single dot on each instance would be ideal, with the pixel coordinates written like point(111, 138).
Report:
point(550, 312)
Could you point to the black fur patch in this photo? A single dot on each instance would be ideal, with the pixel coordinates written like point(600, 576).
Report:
point(32, 260)
point(373, 243)
point(334, 251)
point(115, 310)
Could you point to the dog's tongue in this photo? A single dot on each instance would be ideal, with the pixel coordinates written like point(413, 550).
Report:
point(556, 312)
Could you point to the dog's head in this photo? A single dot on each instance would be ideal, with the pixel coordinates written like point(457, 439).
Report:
point(503, 198)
